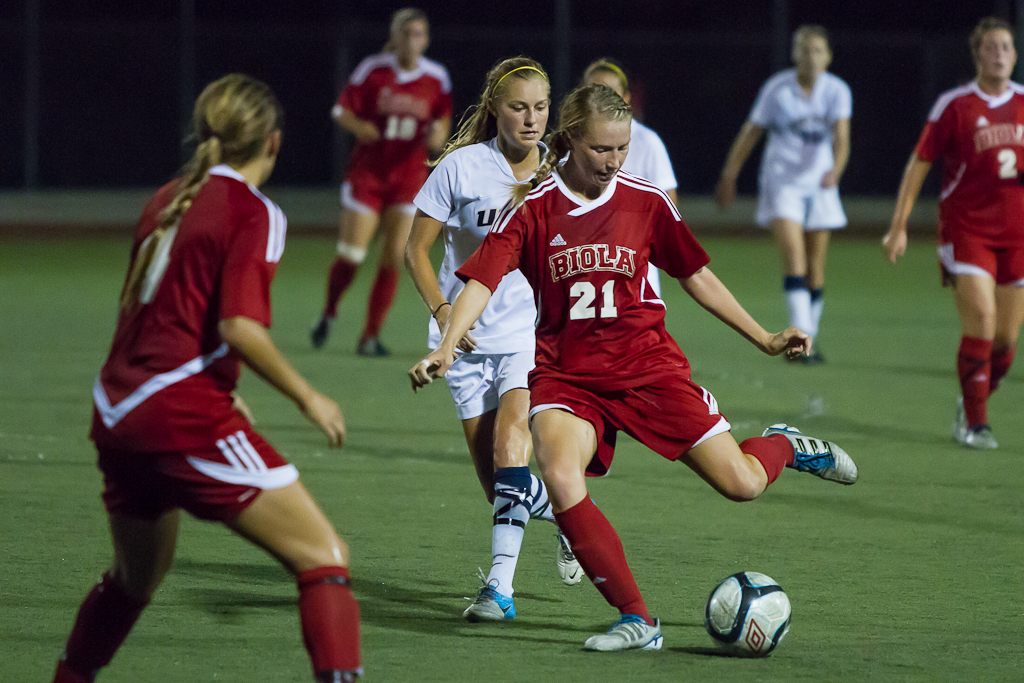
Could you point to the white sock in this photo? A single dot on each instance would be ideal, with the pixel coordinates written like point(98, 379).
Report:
point(799, 301)
point(511, 513)
point(540, 504)
point(816, 306)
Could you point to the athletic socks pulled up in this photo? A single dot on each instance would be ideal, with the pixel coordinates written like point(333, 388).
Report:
point(512, 497)
point(103, 622)
point(599, 551)
point(798, 299)
point(540, 504)
point(773, 452)
point(339, 278)
point(817, 306)
point(1002, 359)
point(330, 622)
point(974, 367)
point(382, 295)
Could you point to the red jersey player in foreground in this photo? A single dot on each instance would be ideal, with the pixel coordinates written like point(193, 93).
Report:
point(195, 306)
point(979, 130)
point(583, 238)
point(398, 105)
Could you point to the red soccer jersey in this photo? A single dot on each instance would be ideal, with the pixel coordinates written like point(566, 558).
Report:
point(599, 324)
point(402, 104)
point(981, 139)
point(167, 381)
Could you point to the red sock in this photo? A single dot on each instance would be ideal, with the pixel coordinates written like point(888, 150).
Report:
point(103, 622)
point(974, 365)
point(600, 553)
point(338, 280)
point(330, 620)
point(1002, 359)
point(382, 295)
point(773, 452)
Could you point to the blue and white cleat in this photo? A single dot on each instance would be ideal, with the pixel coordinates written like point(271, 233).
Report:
point(630, 632)
point(822, 458)
point(490, 605)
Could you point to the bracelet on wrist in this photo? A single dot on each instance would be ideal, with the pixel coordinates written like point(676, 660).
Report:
point(434, 312)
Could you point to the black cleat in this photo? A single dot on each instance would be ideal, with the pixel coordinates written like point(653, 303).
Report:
point(320, 332)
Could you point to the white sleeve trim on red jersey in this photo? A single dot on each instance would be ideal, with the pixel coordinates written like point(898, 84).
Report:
point(370, 63)
point(438, 71)
point(278, 224)
point(113, 414)
point(945, 99)
point(639, 183)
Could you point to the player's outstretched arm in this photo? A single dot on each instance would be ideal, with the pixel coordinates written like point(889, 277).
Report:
point(468, 306)
point(746, 141)
point(417, 261)
point(439, 132)
point(365, 131)
point(707, 290)
point(250, 340)
point(895, 241)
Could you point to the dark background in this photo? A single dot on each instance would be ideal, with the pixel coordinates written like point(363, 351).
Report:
point(115, 78)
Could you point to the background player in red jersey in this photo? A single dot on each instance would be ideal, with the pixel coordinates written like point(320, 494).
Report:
point(194, 307)
point(979, 130)
point(604, 361)
point(398, 105)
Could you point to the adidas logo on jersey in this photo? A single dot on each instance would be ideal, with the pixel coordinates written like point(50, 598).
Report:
point(557, 242)
point(982, 121)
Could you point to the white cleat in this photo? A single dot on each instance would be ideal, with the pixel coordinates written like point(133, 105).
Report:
point(960, 428)
point(568, 567)
point(822, 458)
point(630, 632)
point(980, 438)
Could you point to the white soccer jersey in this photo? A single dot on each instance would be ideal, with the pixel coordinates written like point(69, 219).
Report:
point(799, 147)
point(465, 192)
point(648, 157)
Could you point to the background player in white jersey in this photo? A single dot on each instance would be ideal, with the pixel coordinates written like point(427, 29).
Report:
point(807, 112)
point(648, 157)
point(497, 146)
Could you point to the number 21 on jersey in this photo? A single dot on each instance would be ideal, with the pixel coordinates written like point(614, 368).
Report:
point(584, 309)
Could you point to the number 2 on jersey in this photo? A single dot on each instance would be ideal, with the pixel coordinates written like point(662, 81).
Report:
point(587, 292)
point(1007, 163)
point(400, 128)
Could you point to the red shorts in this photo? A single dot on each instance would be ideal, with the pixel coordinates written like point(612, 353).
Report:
point(368, 190)
point(670, 415)
point(215, 484)
point(967, 254)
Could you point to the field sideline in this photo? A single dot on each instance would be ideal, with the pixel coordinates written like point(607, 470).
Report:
point(914, 574)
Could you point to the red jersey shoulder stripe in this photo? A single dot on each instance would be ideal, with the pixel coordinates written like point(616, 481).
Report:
point(946, 98)
point(276, 220)
point(368, 65)
point(630, 180)
point(437, 70)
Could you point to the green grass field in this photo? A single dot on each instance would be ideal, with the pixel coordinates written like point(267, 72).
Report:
point(914, 574)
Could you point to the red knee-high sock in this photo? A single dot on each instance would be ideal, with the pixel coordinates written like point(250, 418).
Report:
point(974, 366)
point(103, 622)
point(773, 452)
point(1002, 359)
point(381, 297)
point(600, 553)
point(330, 621)
point(338, 280)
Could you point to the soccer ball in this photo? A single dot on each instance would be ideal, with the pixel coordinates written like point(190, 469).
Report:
point(747, 614)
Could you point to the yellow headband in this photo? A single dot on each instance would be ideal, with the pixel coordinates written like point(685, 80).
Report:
point(611, 67)
point(519, 68)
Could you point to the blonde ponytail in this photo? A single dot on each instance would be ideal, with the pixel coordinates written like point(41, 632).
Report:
point(479, 123)
point(578, 108)
point(233, 119)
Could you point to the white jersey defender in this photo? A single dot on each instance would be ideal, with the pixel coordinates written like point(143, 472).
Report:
point(799, 149)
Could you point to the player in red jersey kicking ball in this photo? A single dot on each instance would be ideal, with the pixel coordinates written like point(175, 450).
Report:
point(398, 105)
point(979, 129)
point(195, 305)
point(583, 237)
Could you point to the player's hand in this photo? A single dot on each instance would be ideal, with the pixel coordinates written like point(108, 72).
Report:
point(325, 414)
point(238, 404)
point(895, 243)
point(830, 179)
point(367, 133)
point(468, 342)
point(434, 365)
point(725, 192)
point(792, 341)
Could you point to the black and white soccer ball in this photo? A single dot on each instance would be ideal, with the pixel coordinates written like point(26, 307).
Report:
point(747, 614)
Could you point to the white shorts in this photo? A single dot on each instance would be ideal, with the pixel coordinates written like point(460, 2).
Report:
point(813, 208)
point(478, 380)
